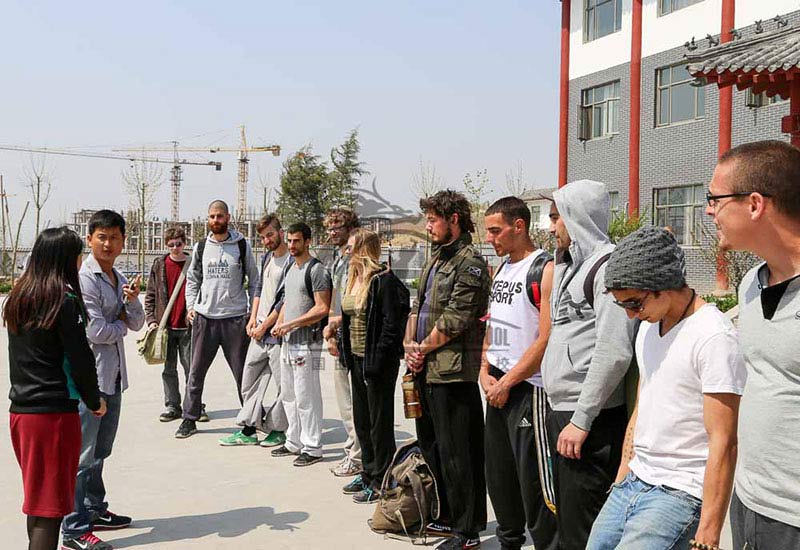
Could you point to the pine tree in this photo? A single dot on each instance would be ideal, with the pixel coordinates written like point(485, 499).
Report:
point(346, 173)
point(304, 193)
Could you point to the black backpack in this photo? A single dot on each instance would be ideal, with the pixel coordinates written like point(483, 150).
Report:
point(533, 280)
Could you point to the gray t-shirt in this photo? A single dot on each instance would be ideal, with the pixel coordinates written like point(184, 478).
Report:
point(298, 302)
point(339, 269)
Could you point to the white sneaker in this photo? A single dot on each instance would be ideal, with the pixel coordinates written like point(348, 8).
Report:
point(346, 468)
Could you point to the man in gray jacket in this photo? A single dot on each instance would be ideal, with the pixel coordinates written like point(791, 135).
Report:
point(588, 354)
point(217, 307)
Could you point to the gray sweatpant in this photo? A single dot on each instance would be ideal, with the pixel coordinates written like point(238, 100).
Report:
point(262, 407)
point(301, 395)
point(208, 335)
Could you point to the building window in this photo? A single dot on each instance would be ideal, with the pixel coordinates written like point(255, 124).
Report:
point(682, 210)
point(599, 112)
point(755, 101)
point(614, 203)
point(676, 99)
point(536, 214)
point(601, 17)
point(668, 6)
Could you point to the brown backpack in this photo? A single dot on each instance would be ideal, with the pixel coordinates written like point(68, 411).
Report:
point(409, 496)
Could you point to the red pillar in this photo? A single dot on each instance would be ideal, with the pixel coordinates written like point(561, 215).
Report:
point(634, 139)
point(563, 126)
point(726, 94)
point(794, 108)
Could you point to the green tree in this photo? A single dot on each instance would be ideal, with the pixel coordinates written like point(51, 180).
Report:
point(622, 224)
point(346, 173)
point(304, 193)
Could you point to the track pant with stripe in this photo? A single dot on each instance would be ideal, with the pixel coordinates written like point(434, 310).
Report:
point(516, 484)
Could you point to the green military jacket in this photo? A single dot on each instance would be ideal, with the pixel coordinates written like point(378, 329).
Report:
point(459, 299)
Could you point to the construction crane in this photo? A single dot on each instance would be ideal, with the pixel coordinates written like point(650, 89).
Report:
point(175, 173)
point(243, 174)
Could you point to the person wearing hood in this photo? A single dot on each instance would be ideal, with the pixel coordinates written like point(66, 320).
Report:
point(375, 306)
point(444, 339)
point(217, 305)
point(588, 354)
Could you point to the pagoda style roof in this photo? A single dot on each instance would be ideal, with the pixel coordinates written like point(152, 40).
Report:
point(765, 62)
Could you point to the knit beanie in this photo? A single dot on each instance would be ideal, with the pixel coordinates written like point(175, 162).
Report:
point(647, 259)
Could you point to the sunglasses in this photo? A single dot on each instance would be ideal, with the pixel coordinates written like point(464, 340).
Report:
point(175, 244)
point(635, 305)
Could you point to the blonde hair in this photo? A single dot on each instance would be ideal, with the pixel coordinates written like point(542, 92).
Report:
point(364, 261)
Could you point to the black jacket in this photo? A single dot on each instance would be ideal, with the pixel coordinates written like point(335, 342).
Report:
point(52, 369)
point(387, 313)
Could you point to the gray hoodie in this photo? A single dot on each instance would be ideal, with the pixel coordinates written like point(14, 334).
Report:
point(221, 293)
point(590, 349)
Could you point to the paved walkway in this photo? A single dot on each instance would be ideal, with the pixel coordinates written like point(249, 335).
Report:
point(195, 494)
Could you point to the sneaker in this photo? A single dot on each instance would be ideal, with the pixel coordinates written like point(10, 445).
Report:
point(87, 541)
point(459, 542)
point(273, 439)
point(203, 414)
point(355, 486)
point(367, 496)
point(186, 429)
point(169, 415)
point(306, 459)
point(238, 438)
point(436, 529)
point(108, 521)
point(346, 468)
point(281, 451)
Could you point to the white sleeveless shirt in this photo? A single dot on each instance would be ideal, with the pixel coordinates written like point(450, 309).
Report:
point(514, 321)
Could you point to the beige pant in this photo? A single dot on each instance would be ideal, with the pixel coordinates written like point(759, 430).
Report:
point(344, 398)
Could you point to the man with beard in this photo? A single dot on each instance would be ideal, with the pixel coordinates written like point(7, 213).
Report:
point(444, 339)
point(217, 306)
point(264, 354)
point(307, 292)
point(340, 222)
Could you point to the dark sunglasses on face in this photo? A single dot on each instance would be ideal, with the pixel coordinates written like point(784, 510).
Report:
point(175, 244)
point(635, 305)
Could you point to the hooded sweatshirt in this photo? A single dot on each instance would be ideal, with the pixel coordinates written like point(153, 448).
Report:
point(221, 293)
point(590, 349)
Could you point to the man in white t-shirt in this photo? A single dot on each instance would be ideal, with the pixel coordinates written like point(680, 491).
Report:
point(517, 453)
point(676, 476)
point(263, 355)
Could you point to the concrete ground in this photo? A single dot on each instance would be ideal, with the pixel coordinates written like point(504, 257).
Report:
point(195, 494)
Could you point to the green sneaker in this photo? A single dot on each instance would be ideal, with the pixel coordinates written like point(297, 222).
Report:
point(238, 438)
point(274, 439)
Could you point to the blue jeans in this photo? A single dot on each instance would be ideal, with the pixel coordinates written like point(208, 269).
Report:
point(98, 436)
point(638, 515)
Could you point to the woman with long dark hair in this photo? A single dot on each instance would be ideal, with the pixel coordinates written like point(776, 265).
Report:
point(375, 309)
point(51, 368)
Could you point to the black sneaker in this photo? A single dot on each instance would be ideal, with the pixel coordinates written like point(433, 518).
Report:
point(86, 541)
point(203, 414)
point(459, 542)
point(186, 429)
point(109, 521)
point(169, 415)
point(436, 529)
point(281, 451)
point(306, 459)
point(367, 496)
point(355, 486)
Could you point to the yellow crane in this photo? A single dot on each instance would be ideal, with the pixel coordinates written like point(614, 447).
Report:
point(243, 151)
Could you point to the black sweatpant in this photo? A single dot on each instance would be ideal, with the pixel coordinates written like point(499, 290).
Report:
point(512, 472)
point(373, 417)
point(450, 434)
point(754, 531)
point(208, 335)
point(581, 486)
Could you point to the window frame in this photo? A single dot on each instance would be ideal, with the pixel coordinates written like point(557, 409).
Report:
point(766, 101)
point(697, 209)
point(587, 112)
point(662, 12)
point(591, 6)
point(659, 87)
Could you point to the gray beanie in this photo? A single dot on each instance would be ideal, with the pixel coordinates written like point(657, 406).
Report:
point(648, 259)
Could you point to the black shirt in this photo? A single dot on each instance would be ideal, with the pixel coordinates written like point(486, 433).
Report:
point(52, 369)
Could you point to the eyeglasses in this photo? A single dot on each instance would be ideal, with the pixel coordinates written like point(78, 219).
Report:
point(175, 244)
point(336, 228)
point(633, 305)
point(712, 199)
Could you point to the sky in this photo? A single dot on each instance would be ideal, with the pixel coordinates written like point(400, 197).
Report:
point(459, 85)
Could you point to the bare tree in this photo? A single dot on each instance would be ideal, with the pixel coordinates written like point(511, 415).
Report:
point(735, 263)
point(426, 181)
point(142, 181)
point(39, 179)
point(14, 239)
point(264, 189)
point(477, 188)
point(515, 181)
